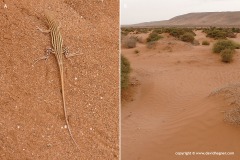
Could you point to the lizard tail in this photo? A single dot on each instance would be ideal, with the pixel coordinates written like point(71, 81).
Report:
point(64, 107)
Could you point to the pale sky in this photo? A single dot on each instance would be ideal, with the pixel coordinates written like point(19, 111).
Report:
point(137, 11)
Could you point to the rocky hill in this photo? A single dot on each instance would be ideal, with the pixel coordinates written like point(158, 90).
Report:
point(198, 19)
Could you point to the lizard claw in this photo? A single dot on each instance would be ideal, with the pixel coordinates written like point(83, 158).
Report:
point(38, 28)
point(41, 30)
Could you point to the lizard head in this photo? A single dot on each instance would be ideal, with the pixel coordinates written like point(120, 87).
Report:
point(50, 19)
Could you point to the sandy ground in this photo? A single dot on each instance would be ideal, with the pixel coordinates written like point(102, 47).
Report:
point(32, 121)
point(171, 110)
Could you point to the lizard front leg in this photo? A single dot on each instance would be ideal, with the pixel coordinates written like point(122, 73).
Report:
point(43, 31)
point(47, 54)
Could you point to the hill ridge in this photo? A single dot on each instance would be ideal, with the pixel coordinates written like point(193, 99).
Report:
point(226, 18)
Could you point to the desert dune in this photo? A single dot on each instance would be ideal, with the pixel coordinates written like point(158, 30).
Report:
point(179, 104)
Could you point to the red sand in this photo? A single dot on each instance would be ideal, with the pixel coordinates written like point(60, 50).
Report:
point(32, 122)
point(171, 110)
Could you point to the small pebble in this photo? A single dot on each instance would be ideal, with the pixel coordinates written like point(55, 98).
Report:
point(49, 145)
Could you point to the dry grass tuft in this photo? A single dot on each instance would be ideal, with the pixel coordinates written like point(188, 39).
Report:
point(206, 43)
point(187, 37)
point(125, 71)
point(231, 93)
point(227, 55)
point(129, 42)
point(151, 44)
point(153, 37)
point(223, 44)
point(233, 116)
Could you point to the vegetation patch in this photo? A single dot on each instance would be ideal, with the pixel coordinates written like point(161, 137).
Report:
point(184, 34)
point(158, 30)
point(226, 48)
point(151, 44)
point(140, 39)
point(221, 33)
point(126, 31)
point(129, 42)
point(178, 32)
point(136, 51)
point(187, 37)
point(206, 43)
point(227, 55)
point(231, 93)
point(125, 70)
point(236, 30)
point(216, 34)
point(233, 115)
point(224, 44)
point(153, 37)
point(196, 42)
point(142, 30)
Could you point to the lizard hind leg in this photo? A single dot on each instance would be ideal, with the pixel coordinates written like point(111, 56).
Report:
point(67, 54)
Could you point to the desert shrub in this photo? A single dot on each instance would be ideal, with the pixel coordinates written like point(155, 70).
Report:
point(158, 30)
point(220, 33)
point(187, 37)
point(198, 28)
point(153, 37)
point(136, 51)
point(126, 31)
point(140, 39)
point(231, 35)
point(217, 34)
point(205, 43)
point(178, 32)
point(196, 42)
point(151, 44)
point(227, 55)
point(224, 44)
point(142, 30)
point(130, 42)
point(168, 48)
point(236, 30)
point(123, 37)
point(237, 45)
point(125, 70)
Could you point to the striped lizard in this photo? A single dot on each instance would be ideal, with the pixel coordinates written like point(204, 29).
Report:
point(58, 51)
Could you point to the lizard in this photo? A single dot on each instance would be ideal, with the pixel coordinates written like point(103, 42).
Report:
point(58, 51)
